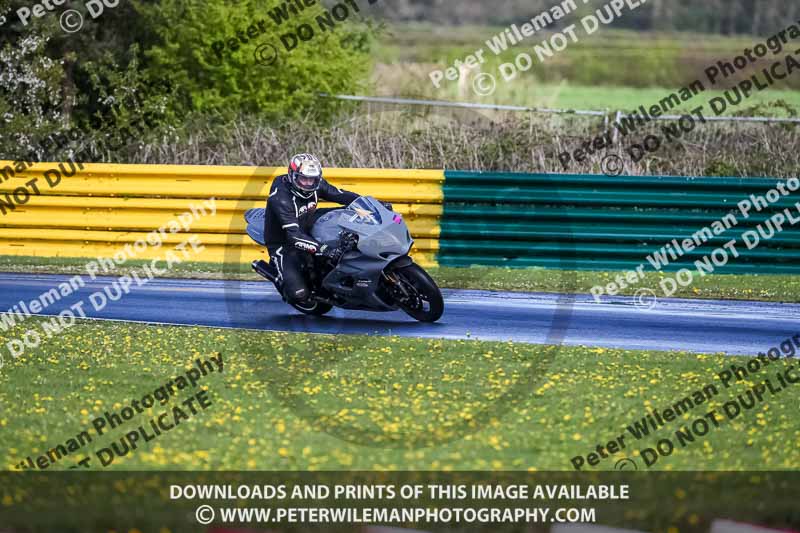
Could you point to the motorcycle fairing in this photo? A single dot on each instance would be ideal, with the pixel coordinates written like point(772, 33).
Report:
point(381, 241)
point(255, 224)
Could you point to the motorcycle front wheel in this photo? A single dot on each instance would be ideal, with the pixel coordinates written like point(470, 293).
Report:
point(417, 294)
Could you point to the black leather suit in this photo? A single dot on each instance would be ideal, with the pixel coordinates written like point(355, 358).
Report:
point(289, 218)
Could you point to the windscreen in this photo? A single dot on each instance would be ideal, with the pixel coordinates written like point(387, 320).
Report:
point(363, 211)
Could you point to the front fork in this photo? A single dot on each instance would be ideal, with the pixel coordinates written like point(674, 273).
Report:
point(395, 285)
point(398, 289)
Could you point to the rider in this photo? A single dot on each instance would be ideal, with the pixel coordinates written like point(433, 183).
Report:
point(291, 212)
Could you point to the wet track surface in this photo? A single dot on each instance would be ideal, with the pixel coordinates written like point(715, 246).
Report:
point(708, 326)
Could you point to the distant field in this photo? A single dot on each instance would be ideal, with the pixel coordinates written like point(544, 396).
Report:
point(577, 97)
point(526, 91)
point(424, 42)
point(587, 75)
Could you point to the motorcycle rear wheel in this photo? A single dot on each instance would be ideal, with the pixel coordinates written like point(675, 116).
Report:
point(314, 308)
point(429, 305)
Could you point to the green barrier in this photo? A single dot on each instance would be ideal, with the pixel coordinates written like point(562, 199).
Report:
point(608, 223)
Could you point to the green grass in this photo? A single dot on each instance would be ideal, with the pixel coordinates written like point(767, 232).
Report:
point(289, 401)
point(770, 288)
point(566, 96)
point(758, 287)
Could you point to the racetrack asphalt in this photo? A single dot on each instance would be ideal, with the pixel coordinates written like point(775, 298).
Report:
point(702, 326)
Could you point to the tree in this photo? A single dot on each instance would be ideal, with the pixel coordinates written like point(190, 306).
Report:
point(211, 53)
point(31, 99)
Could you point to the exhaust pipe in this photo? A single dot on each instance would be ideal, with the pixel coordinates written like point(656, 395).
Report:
point(264, 270)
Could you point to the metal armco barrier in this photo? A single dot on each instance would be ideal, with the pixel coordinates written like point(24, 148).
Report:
point(457, 218)
point(603, 223)
point(103, 207)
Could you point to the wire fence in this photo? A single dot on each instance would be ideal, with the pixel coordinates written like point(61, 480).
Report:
point(607, 114)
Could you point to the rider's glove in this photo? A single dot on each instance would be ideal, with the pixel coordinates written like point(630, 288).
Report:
point(387, 205)
point(330, 252)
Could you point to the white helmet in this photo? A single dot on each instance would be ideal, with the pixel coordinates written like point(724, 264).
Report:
point(305, 174)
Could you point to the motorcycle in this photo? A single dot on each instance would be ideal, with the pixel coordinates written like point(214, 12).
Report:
point(374, 273)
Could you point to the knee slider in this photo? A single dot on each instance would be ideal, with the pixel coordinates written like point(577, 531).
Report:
point(299, 295)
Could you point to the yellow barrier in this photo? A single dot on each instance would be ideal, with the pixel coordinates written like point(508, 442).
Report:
point(104, 206)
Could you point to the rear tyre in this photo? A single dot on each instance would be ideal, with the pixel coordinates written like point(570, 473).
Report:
point(313, 308)
point(422, 299)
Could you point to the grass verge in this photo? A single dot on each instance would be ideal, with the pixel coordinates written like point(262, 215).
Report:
point(768, 288)
point(291, 401)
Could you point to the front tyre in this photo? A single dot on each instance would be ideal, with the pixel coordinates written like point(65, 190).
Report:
point(313, 308)
point(417, 294)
